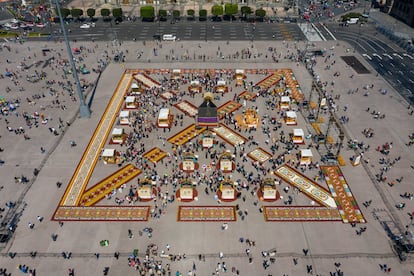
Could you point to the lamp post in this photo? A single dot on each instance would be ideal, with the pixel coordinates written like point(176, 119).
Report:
point(84, 110)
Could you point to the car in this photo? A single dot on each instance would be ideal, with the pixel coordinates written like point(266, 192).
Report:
point(40, 25)
point(169, 37)
point(30, 24)
point(14, 26)
point(85, 26)
point(157, 37)
point(216, 19)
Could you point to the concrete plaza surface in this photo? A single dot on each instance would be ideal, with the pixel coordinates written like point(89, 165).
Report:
point(328, 242)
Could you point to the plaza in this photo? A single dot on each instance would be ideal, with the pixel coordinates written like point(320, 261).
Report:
point(311, 222)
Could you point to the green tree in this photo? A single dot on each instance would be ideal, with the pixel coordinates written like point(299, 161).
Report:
point(202, 13)
point(65, 12)
point(117, 12)
point(231, 9)
point(162, 13)
point(191, 13)
point(76, 13)
point(176, 14)
point(147, 12)
point(105, 12)
point(90, 12)
point(260, 13)
point(245, 10)
point(217, 10)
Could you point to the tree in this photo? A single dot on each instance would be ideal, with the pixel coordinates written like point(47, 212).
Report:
point(105, 12)
point(217, 10)
point(260, 13)
point(191, 13)
point(162, 13)
point(202, 13)
point(90, 13)
point(231, 9)
point(65, 12)
point(176, 14)
point(117, 12)
point(246, 10)
point(76, 13)
point(147, 13)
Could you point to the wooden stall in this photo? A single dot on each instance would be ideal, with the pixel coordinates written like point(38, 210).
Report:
point(124, 117)
point(306, 156)
point(194, 87)
point(109, 156)
point(227, 190)
point(268, 190)
point(239, 76)
point(176, 74)
point(165, 119)
point(146, 190)
point(131, 102)
point(221, 86)
point(291, 118)
point(118, 135)
point(284, 102)
point(298, 136)
point(226, 164)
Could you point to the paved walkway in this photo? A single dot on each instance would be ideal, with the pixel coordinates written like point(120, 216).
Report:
point(22, 156)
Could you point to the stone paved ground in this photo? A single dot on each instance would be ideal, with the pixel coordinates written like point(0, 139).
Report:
point(328, 242)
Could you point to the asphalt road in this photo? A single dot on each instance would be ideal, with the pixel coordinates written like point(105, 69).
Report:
point(185, 30)
point(393, 63)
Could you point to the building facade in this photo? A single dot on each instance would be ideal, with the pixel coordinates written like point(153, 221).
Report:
point(404, 11)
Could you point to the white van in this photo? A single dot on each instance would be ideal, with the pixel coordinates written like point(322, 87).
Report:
point(169, 37)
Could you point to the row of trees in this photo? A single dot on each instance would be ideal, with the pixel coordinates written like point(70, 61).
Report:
point(76, 13)
point(149, 12)
point(216, 10)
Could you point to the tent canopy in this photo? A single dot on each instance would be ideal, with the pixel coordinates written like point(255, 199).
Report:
point(108, 153)
point(124, 114)
point(306, 153)
point(130, 99)
point(291, 114)
point(298, 132)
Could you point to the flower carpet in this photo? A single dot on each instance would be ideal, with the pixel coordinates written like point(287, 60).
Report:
point(102, 213)
point(185, 135)
point(347, 205)
point(155, 155)
point(107, 185)
point(300, 213)
point(206, 213)
point(227, 108)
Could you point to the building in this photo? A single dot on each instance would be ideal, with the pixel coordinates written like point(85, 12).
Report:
point(403, 10)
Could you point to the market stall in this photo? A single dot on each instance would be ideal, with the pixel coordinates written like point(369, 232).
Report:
point(226, 164)
point(118, 135)
point(131, 102)
point(110, 156)
point(189, 163)
point(221, 86)
point(146, 190)
point(285, 103)
point(298, 136)
point(194, 87)
point(291, 118)
point(239, 76)
point(176, 74)
point(306, 156)
point(268, 190)
point(227, 191)
point(124, 117)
